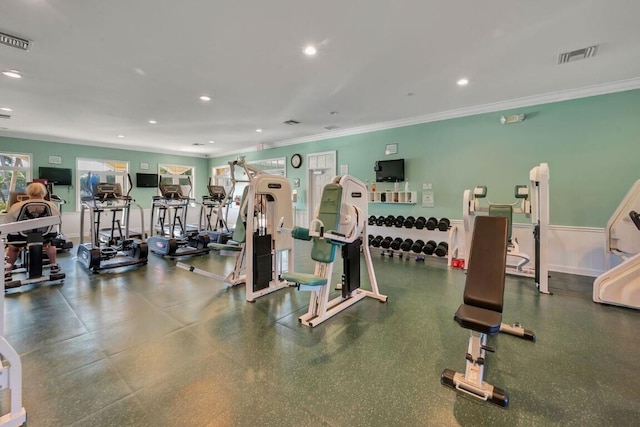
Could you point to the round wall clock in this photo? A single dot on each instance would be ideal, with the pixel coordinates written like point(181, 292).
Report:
point(296, 161)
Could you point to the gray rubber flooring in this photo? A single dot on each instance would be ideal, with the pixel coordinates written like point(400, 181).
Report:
point(160, 346)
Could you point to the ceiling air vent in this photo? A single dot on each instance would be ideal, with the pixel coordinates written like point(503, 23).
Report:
point(291, 122)
point(5, 116)
point(14, 41)
point(576, 55)
point(198, 144)
point(332, 127)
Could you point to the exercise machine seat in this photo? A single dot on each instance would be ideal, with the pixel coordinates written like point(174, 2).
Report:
point(33, 210)
point(484, 287)
point(323, 250)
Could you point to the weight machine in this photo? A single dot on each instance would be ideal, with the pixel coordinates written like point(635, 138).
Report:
point(620, 285)
point(340, 221)
point(531, 201)
point(262, 254)
point(110, 247)
point(175, 237)
point(10, 363)
point(33, 240)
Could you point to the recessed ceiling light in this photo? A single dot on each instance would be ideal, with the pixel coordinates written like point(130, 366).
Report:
point(212, 142)
point(463, 82)
point(310, 50)
point(6, 109)
point(15, 74)
point(258, 130)
point(205, 98)
point(120, 136)
point(153, 122)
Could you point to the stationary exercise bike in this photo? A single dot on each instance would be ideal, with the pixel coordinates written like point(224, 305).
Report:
point(112, 247)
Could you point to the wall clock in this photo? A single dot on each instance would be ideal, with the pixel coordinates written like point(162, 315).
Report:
point(296, 161)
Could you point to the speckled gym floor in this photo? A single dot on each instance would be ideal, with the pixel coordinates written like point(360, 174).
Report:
point(159, 346)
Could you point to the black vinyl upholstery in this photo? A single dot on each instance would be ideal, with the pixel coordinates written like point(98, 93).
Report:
point(484, 287)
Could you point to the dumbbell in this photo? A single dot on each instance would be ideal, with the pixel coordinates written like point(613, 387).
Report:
point(372, 220)
point(399, 221)
point(386, 242)
point(389, 220)
point(442, 249)
point(376, 241)
point(429, 247)
point(443, 225)
point(380, 221)
point(420, 222)
point(369, 239)
point(408, 223)
point(395, 245)
point(406, 245)
point(432, 223)
point(417, 246)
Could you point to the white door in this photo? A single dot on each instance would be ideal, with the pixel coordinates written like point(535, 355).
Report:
point(321, 169)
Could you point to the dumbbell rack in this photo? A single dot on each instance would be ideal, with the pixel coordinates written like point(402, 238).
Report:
point(415, 234)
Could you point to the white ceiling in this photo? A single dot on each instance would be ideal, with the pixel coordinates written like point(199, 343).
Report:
point(100, 68)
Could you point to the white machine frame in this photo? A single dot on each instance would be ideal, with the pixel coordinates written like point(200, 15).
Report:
point(11, 365)
point(535, 206)
point(620, 285)
point(353, 225)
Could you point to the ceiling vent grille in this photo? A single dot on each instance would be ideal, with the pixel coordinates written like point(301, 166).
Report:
point(576, 55)
point(332, 127)
point(14, 41)
point(198, 144)
point(5, 116)
point(291, 122)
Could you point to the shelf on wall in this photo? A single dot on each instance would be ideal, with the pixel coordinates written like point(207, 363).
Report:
point(393, 197)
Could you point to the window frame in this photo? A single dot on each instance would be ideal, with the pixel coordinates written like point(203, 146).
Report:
point(102, 174)
point(28, 173)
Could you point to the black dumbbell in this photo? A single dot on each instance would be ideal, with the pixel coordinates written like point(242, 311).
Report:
point(443, 225)
point(369, 239)
point(406, 245)
point(389, 220)
point(399, 221)
point(442, 249)
point(417, 246)
point(408, 223)
point(372, 220)
point(395, 245)
point(432, 223)
point(386, 242)
point(420, 222)
point(376, 241)
point(429, 247)
point(380, 221)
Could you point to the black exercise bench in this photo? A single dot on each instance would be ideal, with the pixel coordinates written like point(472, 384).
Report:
point(481, 311)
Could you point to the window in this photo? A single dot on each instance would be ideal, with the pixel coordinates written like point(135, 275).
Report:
point(181, 175)
point(92, 171)
point(15, 172)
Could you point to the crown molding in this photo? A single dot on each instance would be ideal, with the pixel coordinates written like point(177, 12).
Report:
point(565, 95)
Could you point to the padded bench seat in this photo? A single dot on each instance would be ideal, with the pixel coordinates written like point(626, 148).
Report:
point(478, 319)
point(304, 279)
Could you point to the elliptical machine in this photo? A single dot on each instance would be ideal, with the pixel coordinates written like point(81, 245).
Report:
point(169, 220)
point(110, 247)
point(213, 219)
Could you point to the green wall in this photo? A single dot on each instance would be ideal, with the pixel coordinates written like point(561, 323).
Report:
point(41, 150)
point(592, 146)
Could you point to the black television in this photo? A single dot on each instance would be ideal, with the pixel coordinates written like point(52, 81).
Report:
point(389, 170)
point(58, 176)
point(147, 180)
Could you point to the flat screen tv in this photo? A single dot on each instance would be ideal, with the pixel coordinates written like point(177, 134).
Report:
point(58, 176)
point(389, 170)
point(147, 180)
